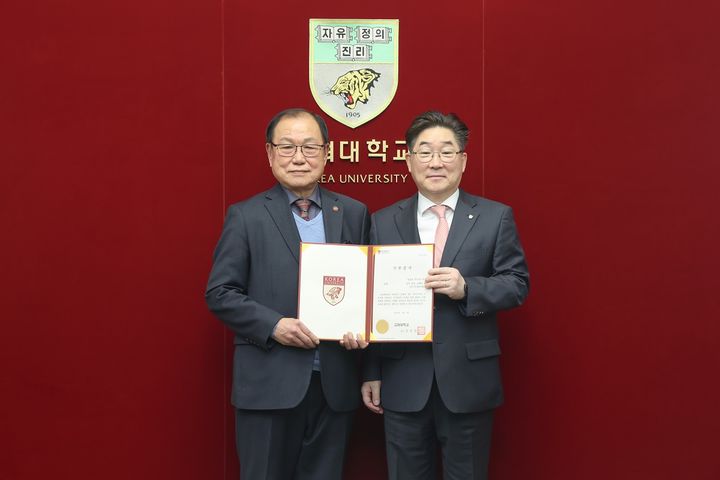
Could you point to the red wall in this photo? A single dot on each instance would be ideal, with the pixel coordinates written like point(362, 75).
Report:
point(111, 148)
point(127, 127)
point(602, 121)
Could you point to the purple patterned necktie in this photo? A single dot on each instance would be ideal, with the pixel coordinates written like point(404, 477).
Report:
point(304, 205)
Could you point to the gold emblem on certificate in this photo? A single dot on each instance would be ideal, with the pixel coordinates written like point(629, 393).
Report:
point(333, 289)
point(382, 326)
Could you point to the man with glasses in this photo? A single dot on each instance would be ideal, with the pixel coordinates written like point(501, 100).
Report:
point(294, 395)
point(444, 393)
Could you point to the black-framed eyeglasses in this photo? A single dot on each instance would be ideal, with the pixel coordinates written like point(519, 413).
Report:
point(446, 156)
point(308, 150)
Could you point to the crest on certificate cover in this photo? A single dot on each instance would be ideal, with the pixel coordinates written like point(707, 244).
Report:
point(333, 289)
point(353, 67)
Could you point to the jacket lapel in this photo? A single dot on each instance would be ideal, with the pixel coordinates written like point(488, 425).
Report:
point(464, 217)
point(406, 220)
point(332, 210)
point(276, 203)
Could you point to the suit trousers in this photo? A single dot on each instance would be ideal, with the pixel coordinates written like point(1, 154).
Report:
point(412, 438)
point(302, 443)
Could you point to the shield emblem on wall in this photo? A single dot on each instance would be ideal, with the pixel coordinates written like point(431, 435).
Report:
point(333, 289)
point(353, 67)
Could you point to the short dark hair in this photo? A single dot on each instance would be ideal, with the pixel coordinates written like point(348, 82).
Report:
point(437, 119)
point(296, 112)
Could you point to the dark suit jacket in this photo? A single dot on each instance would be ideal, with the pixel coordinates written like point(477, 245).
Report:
point(483, 245)
point(254, 282)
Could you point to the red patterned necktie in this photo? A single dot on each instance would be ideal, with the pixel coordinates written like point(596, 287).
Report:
point(303, 204)
point(441, 233)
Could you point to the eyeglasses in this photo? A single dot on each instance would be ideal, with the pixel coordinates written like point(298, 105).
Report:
point(446, 156)
point(289, 150)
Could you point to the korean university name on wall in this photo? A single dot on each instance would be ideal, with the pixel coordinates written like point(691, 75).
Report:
point(350, 151)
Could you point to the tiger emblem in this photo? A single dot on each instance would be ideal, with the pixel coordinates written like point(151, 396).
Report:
point(334, 293)
point(354, 86)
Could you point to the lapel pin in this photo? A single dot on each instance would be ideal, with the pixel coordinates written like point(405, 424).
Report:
point(470, 216)
point(335, 208)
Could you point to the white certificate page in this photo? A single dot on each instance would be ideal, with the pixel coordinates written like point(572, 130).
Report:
point(402, 306)
point(333, 289)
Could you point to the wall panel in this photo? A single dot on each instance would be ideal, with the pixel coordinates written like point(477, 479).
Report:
point(600, 119)
point(111, 366)
point(128, 127)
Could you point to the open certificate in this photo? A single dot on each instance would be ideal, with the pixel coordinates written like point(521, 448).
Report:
point(374, 290)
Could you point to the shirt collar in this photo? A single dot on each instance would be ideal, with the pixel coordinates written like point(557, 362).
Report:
point(424, 203)
point(314, 196)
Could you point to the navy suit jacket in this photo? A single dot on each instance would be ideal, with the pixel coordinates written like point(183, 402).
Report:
point(254, 283)
point(483, 245)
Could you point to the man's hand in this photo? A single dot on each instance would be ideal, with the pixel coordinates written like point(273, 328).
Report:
point(351, 342)
point(371, 396)
point(446, 280)
point(292, 332)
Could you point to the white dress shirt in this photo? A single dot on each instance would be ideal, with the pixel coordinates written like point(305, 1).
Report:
point(427, 221)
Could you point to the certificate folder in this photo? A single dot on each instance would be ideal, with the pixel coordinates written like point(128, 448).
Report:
point(376, 290)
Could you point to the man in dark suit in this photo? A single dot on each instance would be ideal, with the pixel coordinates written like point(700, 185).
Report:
point(445, 392)
point(294, 395)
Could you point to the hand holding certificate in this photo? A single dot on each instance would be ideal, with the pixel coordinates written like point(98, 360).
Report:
point(374, 290)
